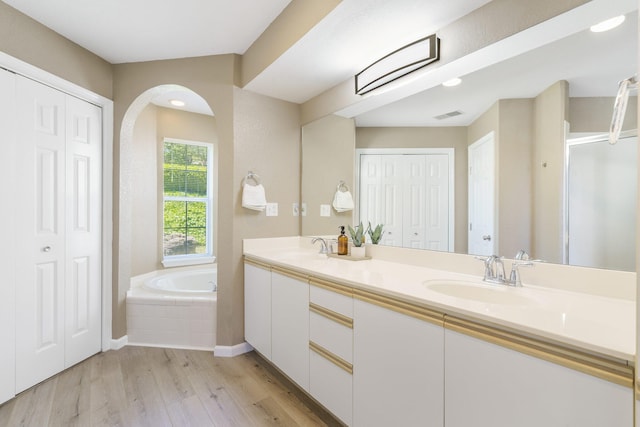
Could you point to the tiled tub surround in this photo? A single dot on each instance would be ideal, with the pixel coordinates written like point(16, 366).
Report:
point(559, 351)
point(174, 319)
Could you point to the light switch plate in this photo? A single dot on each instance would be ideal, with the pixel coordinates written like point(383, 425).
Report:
point(303, 209)
point(272, 209)
point(296, 209)
point(325, 210)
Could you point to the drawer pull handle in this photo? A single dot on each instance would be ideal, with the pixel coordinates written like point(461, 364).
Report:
point(331, 315)
point(339, 362)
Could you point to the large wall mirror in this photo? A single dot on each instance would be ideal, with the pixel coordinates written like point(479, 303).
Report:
point(523, 114)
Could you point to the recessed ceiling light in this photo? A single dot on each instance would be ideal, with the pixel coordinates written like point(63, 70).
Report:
point(177, 103)
point(453, 82)
point(608, 24)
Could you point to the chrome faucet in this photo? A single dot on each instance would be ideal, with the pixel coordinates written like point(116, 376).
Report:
point(494, 271)
point(325, 247)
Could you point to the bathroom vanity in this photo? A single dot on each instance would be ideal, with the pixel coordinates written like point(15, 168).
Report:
point(396, 341)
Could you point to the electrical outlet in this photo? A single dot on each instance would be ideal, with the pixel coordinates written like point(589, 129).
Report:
point(272, 209)
point(325, 210)
point(296, 209)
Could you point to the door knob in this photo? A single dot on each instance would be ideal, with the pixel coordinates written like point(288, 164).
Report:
point(486, 237)
point(46, 249)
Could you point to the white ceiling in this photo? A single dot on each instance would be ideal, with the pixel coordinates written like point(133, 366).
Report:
point(140, 30)
point(353, 35)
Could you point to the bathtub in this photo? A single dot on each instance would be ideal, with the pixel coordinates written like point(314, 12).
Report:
point(190, 282)
point(173, 308)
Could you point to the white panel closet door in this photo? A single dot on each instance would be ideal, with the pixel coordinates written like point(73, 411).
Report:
point(7, 249)
point(437, 195)
point(40, 226)
point(83, 230)
point(58, 223)
point(414, 208)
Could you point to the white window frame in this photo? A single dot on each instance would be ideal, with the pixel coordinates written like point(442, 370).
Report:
point(192, 259)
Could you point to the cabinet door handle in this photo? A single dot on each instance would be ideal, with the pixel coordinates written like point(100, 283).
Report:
point(46, 249)
point(486, 237)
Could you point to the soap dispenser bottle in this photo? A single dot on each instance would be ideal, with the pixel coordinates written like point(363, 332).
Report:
point(343, 242)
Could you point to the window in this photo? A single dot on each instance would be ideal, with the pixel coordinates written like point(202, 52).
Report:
point(188, 202)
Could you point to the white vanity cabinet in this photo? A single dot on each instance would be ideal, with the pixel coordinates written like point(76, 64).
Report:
point(290, 325)
point(398, 375)
point(257, 307)
point(493, 385)
point(331, 344)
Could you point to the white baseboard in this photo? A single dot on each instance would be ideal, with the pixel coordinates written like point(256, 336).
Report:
point(232, 351)
point(119, 343)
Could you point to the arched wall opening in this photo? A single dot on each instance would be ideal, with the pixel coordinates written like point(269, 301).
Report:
point(147, 121)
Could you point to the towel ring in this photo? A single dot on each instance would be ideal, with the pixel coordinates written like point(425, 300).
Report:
point(252, 176)
point(342, 186)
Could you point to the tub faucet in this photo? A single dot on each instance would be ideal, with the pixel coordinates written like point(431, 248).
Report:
point(325, 248)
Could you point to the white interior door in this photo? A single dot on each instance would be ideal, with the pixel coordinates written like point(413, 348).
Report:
point(58, 198)
point(414, 204)
point(391, 209)
point(437, 219)
point(7, 249)
point(83, 230)
point(410, 194)
point(380, 194)
point(41, 243)
point(482, 236)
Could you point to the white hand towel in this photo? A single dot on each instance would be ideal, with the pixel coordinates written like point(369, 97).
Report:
point(343, 201)
point(253, 197)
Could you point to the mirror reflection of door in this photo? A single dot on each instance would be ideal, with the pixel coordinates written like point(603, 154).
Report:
point(482, 236)
point(410, 192)
point(601, 201)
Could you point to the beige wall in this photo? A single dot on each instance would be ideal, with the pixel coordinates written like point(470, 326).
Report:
point(511, 120)
point(550, 112)
point(267, 142)
point(429, 137)
point(144, 177)
point(514, 175)
point(594, 114)
point(26, 39)
point(152, 126)
point(327, 158)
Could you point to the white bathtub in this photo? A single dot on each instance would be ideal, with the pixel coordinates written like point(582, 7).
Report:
point(173, 308)
point(192, 282)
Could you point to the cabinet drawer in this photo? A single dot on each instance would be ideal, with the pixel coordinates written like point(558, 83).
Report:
point(334, 301)
point(335, 336)
point(331, 385)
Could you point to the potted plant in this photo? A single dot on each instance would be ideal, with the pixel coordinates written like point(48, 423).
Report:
point(357, 238)
point(375, 234)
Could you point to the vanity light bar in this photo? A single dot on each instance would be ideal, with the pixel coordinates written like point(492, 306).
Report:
point(399, 63)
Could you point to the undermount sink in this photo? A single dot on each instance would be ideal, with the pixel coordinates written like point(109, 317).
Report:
point(491, 294)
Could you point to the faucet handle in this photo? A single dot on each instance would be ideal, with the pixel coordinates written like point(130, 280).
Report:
point(488, 265)
point(514, 277)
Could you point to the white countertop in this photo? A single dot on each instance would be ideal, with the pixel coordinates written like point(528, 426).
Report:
point(599, 324)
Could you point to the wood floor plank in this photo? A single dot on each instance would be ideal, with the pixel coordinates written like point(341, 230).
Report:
point(33, 406)
point(71, 400)
point(108, 400)
point(145, 403)
point(144, 386)
point(222, 408)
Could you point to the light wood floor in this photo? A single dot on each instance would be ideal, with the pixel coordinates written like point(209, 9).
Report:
point(142, 386)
